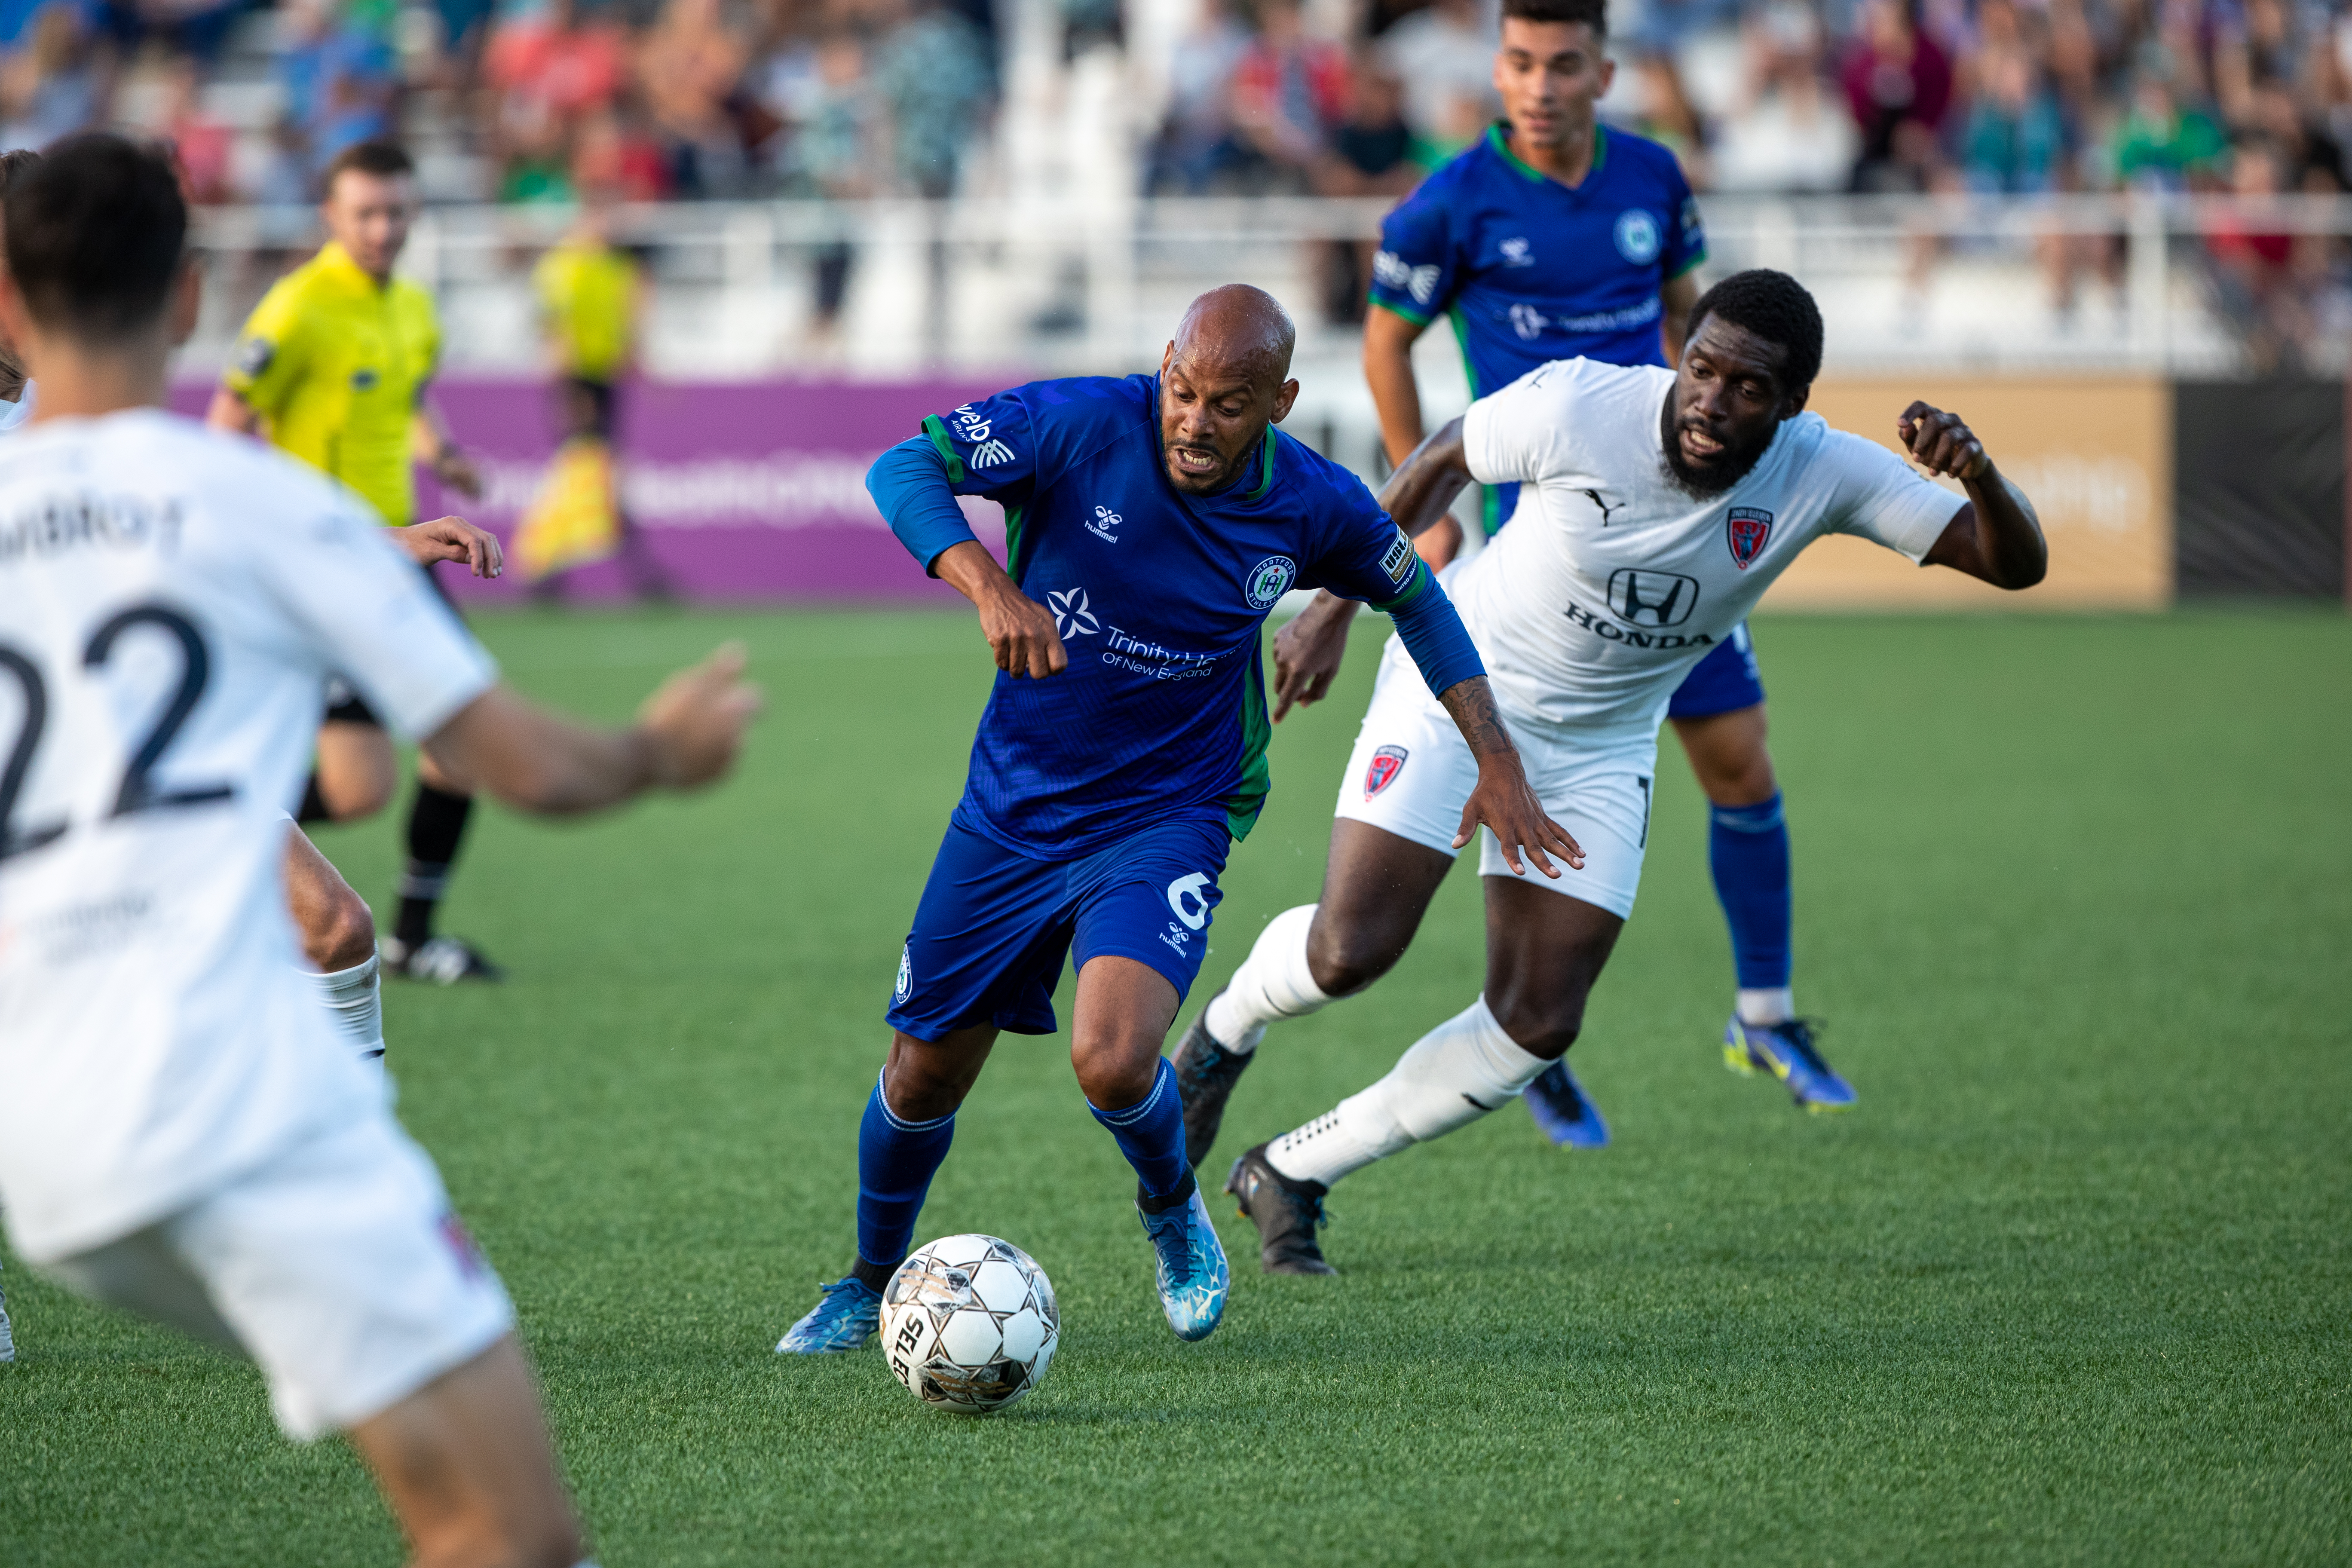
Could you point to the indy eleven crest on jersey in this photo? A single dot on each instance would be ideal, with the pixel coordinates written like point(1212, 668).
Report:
point(1387, 762)
point(1749, 527)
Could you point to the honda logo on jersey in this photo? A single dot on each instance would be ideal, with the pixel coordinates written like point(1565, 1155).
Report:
point(1749, 527)
point(1651, 598)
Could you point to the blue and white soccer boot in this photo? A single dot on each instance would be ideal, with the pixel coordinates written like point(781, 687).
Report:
point(1787, 1052)
point(1191, 1265)
point(844, 1316)
point(1563, 1111)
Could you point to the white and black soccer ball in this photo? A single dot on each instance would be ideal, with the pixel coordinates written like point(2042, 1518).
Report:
point(968, 1323)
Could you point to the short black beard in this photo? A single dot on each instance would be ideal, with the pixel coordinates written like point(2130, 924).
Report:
point(1701, 484)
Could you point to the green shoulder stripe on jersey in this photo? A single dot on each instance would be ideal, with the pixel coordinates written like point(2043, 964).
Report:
point(1422, 582)
point(1693, 264)
point(1016, 520)
point(1399, 311)
point(1266, 468)
point(1248, 798)
point(937, 432)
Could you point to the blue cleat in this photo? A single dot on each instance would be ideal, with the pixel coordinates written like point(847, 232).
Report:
point(844, 1319)
point(1787, 1052)
point(1558, 1103)
point(1193, 1273)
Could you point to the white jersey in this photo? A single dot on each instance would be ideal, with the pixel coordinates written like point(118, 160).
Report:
point(14, 414)
point(173, 601)
point(1612, 580)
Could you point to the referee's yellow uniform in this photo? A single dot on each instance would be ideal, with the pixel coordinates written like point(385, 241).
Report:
point(336, 363)
point(588, 298)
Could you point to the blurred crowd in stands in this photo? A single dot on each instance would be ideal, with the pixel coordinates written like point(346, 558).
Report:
point(549, 100)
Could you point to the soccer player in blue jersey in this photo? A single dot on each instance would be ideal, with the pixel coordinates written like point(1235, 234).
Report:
point(1151, 523)
point(1554, 238)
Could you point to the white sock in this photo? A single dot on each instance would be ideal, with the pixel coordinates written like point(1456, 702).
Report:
point(1763, 1007)
point(1273, 983)
point(355, 996)
point(1453, 1075)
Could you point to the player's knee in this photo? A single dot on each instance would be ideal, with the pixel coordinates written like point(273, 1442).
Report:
point(1343, 959)
point(1747, 780)
point(1541, 1026)
point(354, 793)
point(1115, 1069)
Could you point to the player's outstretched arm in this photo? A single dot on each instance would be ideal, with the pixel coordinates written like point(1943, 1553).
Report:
point(1504, 800)
point(1020, 630)
point(452, 539)
point(1996, 537)
point(1307, 652)
point(687, 735)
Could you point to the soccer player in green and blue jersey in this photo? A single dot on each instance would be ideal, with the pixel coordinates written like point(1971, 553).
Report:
point(1556, 237)
point(1152, 525)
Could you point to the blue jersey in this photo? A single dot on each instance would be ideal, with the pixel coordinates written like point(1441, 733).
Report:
point(1530, 270)
point(1159, 597)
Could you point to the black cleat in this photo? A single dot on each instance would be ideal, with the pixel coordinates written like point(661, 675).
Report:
point(1285, 1212)
point(443, 960)
point(1205, 1075)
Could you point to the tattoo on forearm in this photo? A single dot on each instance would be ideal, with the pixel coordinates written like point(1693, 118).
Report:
point(1472, 703)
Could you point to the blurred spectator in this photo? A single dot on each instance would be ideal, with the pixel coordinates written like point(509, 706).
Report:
point(196, 28)
point(2013, 139)
point(611, 153)
point(201, 145)
point(2163, 146)
point(1650, 94)
point(1444, 56)
point(2257, 282)
point(53, 84)
point(1898, 85)
point(1196, 148)
point(339, 79)
point(1786, 131)
point(935, 77)
point(1372, 155)
point(544, 62)
point(1290, 93)
point(831, 111)
point(689, 69)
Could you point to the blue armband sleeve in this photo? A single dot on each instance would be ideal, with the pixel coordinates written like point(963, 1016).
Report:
point(1434, 634)
point(909, 483)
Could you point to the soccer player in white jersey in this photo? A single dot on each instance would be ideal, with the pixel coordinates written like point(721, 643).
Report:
point(180, 1133)
point(1663, 503)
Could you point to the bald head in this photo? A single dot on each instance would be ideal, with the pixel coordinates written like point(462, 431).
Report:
point(1240, 330)
point(1223, 381)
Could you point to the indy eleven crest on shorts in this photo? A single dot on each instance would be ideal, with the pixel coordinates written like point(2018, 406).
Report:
point(1387, 762)
point(1749, 527)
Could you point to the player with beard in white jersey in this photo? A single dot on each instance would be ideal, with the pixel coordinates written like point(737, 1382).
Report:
point(1662, 504)
point(180, 1134)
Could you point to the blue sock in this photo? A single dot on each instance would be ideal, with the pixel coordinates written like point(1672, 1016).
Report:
point(1151, 1133)
point(1748, 847)
point(896, 1162)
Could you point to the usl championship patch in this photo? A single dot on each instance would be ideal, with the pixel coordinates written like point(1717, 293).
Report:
point(1749, 527)
point(1387, 762)
point(1398, 561)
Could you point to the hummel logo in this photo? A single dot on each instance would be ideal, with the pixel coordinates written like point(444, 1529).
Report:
point(1605, 508)
point(990, 453)
point(1102, 522)
point(1071, 615)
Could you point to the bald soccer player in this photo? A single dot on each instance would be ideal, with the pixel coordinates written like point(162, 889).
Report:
point(1151, 523)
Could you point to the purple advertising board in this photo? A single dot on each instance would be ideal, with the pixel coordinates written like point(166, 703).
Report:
point(744, 492)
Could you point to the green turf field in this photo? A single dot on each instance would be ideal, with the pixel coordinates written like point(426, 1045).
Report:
point(2074, 1284)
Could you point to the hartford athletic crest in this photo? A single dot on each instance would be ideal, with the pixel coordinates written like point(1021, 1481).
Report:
point(1270, 580)
point(1749, 526)
point(1387, 762)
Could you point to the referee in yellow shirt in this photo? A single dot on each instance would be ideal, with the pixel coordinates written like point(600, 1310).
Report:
point(332, 368)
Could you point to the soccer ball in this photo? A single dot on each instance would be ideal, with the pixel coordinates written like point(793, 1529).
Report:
point(968, 1323)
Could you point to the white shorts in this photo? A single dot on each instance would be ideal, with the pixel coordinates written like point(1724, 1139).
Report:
point(338, 1266)
point(1412, 773)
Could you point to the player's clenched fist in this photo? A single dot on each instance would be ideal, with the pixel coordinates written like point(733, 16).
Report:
point(696, 720)
point(1941, 442)
point(1020, 632)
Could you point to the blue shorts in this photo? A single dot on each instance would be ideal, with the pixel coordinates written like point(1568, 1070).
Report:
point(995, 924)
point(1725, 681)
